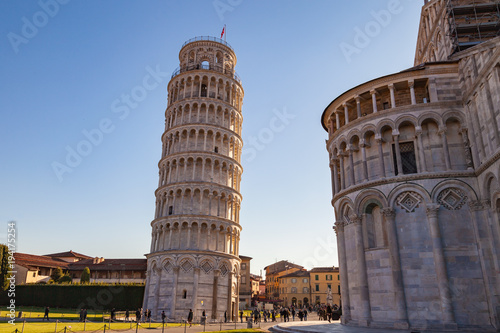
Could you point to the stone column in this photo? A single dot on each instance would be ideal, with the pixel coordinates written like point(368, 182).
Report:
point(486, 249)
point(364, 294)
point(374, 100)
point(358, 105)
point(421, 152)
point(346, 113)
point(446, 152)
point(229, 295)
point(198, 238)
point(381, 155)
point(344, 285)
point(174, 292)
point(170, 237)
point(393, 98)
point(363, 146)
point(214, 293)
point(157, 292)
point(145, 303)
point(397, 275)
point(342, 175)
point(467, 149)
point(395, 135)
point(188, 245)
point(352, 179)
point(472, 111)
point(196, 279)
point(335, 175)
point(433, 95)
point(411, 84)
point(337, 119)
point(491, 110)
point(237, 303)
point(440, 264)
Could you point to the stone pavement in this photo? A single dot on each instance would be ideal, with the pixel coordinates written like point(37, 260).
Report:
point(289, 327)
point(335, 327)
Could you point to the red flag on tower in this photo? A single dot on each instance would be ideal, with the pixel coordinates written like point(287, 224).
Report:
point(223, 31)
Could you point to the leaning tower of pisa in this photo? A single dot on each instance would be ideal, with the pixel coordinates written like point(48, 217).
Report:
point(193, 261)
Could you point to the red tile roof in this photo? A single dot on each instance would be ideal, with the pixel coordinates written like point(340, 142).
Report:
point(33, 261)
point(69, 253)
point(324, 269)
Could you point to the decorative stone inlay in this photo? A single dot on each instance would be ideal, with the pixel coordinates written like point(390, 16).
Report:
point(409, 201)
point(223, 270)
point(186, 266)
point(206, 267)
point(452, 198)
point(168, 266)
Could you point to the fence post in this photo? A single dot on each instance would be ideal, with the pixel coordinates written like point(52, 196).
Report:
point(136, 326)
point(55, 331)
point(24, 322)
point(84, 324)
point(104, 328)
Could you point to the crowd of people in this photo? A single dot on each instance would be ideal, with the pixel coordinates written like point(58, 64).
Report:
point(325, 312)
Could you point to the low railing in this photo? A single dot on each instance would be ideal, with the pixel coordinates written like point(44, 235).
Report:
point(218, 69)
point(213, 39)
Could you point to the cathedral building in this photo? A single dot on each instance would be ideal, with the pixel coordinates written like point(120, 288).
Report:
point(194, 258)
point(415, 171)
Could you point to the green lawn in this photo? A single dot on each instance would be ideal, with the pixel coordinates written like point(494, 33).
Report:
point(50, 327)
point(59, 314)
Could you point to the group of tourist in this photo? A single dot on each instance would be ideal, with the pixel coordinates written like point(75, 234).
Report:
point(83, 315)
point(327, 312)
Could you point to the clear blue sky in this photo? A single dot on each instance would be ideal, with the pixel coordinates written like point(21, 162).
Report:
point(64, 67)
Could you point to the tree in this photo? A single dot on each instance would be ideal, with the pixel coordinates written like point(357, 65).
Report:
point(4, 267)
point(85, 278)
point(57, 274)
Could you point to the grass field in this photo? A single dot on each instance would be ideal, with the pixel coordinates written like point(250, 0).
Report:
point(30, 327)
point(59, 314)
point(69, 319)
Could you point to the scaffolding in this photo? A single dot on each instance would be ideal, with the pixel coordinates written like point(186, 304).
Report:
point(472, 22)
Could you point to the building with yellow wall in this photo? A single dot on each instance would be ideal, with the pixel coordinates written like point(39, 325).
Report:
point(295, 289)
point(321, 279)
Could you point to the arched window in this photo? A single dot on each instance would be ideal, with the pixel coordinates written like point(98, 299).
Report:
point(375, 235)
point(205, 65)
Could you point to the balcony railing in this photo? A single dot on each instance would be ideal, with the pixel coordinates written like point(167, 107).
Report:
point(213, 39)
point(218, 69)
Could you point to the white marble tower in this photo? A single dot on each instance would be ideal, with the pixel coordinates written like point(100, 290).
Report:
point(194, 263)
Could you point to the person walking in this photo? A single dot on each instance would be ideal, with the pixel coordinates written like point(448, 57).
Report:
point(163, 316)
point(46, 315)
point(241, 316)
point(225, 316)
point(190, 317)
